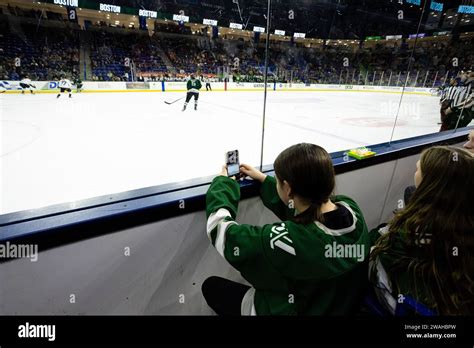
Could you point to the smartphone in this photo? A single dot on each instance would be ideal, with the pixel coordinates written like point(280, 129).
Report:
point(233, 163)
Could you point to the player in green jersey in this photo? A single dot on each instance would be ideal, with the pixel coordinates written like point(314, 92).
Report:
point(193, 86)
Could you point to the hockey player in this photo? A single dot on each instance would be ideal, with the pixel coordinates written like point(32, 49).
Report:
point(4, 86)
point(193, 86)
point(64, 85)
point(25, 83)
point(78, 82)
point(208, 84)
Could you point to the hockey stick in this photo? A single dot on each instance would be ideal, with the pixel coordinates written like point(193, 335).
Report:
point(174, 101)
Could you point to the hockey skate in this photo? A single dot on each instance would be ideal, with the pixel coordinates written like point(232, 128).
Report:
point(195, 107)
point(184, 108)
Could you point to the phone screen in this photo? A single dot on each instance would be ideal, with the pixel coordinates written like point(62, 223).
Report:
point(233, 169)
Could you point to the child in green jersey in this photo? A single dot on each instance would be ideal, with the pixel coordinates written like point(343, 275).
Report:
point(312, 262)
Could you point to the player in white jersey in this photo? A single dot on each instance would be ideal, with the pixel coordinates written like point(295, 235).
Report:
point(25, 83)
point(207, 80)
point(64, 86)
point(4, 86)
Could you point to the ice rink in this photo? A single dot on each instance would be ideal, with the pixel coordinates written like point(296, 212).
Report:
point(56, 151)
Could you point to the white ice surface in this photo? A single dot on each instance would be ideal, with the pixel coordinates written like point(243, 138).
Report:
point(55, 151)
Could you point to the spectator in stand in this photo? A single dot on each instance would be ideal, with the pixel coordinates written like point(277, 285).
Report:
point(49, 52)
point(55, 51)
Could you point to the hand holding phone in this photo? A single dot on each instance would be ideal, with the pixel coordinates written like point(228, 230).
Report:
point(253, 173)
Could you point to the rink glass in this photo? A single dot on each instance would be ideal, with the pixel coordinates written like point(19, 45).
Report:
point(374, 69)
point(350, 82)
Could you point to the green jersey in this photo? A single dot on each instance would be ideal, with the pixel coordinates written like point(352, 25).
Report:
point(390, 289)
point(294, 268)
point(77, 82)
point(194, 86)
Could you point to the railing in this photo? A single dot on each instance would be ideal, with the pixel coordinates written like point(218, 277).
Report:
point(413, 78)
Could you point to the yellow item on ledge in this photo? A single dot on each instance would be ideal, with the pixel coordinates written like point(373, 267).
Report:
point(361, 153)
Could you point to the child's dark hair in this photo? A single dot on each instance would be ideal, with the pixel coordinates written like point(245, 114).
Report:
point(309, 170)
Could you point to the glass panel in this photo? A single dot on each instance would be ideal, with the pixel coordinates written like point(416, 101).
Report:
point(340, 70)
point(437, 82)
point(338, 75)
point(57, 150)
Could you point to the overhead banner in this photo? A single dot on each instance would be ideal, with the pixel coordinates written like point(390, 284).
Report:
point(414, 36)
point(180, 18)
point(109, 8)
point(70, 3)
point(235, 26)
point(212, 22)
point(466, 9)
point(373, 38)
point(436, 6)
point(147, 13)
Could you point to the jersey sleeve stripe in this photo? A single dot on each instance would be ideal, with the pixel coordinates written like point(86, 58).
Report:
point(247, 306)
point(221, 233)
point(215, 218)
point(217, 222)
